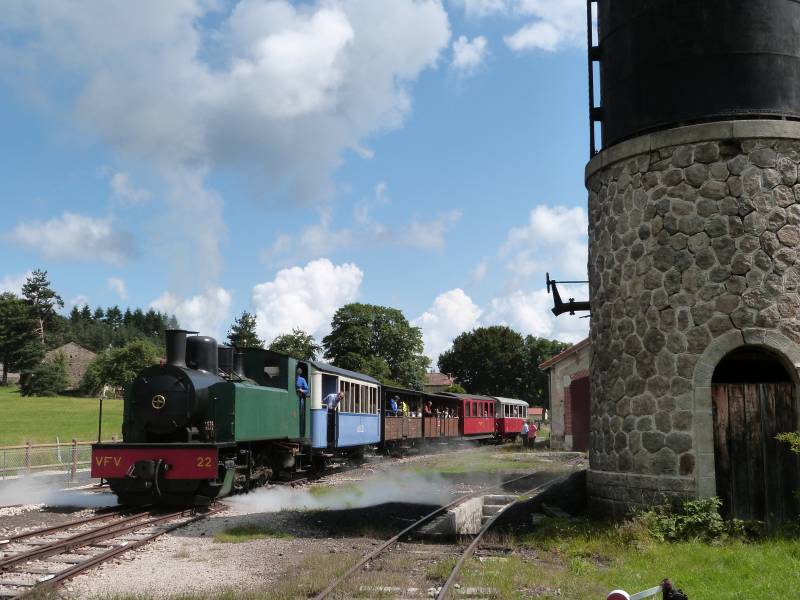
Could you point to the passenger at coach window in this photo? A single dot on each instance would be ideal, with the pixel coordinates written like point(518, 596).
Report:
point(428, 409)
point(404, 408)
point(393, 405)
point(331, 401)
point(301, 385)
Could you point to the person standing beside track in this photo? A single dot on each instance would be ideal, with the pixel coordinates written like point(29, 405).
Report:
point(524, 434)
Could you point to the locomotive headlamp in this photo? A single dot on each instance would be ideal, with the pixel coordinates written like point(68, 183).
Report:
point(158, 402)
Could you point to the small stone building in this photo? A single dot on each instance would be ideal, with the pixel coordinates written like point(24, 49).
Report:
point(568, 374)
point(78, 360)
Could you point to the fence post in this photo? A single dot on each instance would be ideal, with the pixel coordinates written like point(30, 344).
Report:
point(74, 461)
point(28, 456)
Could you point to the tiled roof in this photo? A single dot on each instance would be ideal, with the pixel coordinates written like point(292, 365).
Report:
point(565, 354)
point(438, 379)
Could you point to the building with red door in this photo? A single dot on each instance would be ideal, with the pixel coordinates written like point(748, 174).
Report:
point(570, 400)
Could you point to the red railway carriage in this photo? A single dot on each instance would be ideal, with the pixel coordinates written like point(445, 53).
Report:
point(511, 414)
point(476, 416)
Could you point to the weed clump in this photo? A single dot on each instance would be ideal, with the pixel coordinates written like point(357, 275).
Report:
point(695, 520)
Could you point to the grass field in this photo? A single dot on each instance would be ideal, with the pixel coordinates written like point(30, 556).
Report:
point(585, 559)
point(40, 420)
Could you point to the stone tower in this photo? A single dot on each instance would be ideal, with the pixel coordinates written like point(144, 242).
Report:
point(694, 212)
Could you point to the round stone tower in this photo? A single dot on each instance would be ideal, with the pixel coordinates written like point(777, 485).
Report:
point(694, 212)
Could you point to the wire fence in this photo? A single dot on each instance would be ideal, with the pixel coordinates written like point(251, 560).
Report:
point(68, 460)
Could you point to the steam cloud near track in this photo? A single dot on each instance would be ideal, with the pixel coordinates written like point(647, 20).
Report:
point(402, 487)
point(30, 490)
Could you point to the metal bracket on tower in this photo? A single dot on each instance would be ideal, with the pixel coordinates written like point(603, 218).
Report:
point(559, 306)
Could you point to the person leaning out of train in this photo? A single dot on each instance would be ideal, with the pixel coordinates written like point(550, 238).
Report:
point(331, 401)
point(301, 384)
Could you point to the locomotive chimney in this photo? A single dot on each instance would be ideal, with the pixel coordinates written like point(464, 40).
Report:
point(225, 358)
point(176, 347)
point(238, 363)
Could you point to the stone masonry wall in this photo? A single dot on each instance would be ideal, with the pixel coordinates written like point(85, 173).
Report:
point(687, 242)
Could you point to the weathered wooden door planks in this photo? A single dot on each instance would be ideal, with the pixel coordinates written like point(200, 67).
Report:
point(756, 475)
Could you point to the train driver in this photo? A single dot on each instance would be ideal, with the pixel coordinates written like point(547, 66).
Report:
point(301, 386)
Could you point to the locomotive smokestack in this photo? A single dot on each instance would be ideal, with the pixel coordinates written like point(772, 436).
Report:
point(176, 347)
point(225, 358)
point(238, 363)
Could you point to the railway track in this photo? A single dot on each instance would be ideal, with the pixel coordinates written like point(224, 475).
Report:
point(406, 546)
point(51, 555)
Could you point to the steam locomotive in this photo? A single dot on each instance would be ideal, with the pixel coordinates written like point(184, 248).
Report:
point(216, 420)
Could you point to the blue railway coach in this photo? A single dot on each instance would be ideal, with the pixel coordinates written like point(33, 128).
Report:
point(356, 420)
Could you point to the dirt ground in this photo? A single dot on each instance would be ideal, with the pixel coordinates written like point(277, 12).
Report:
point(325, 520)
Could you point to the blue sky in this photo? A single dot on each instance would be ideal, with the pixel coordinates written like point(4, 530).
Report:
point(206, 158)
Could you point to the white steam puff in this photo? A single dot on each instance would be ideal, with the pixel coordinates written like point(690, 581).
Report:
point(35, 491)
point(403, 487)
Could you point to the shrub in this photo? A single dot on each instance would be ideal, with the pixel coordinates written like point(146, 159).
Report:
point(48, 378)
point(792, 438)
point(119, 366)
point(694, 520)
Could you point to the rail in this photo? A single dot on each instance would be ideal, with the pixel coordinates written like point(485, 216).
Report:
point(331, 587)
point(68, 458)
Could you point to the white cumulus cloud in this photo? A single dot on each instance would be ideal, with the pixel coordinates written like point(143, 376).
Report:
point(207, 312)
point(530, 313)
point(554, 239)
point(451, 313)
point(275, 91)
point(75, 237)
point(482, 8)
point(468, 55)
point(305, 297)
point(13, 283)
point(123, 190)
point(556, 24)
point(117, 285)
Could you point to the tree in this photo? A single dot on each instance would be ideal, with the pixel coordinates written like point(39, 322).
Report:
point(242, 333)
point(118, 367)
point(456, 389)
point(498, 361)
point(48, 378)
point(37, 291)
point(372, 339)
point(298, 344)
point(540, 350)
point(20, 346)
point(488, 360)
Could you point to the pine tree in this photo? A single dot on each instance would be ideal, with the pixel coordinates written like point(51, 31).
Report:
point(37, 291)
point(242, 333)
point(20, 346)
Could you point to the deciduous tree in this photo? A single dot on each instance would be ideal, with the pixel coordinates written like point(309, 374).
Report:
point(117, 367)
point(365, 337)
point(298, 344)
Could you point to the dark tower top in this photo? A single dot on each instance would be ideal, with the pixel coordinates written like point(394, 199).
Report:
point(664, 63)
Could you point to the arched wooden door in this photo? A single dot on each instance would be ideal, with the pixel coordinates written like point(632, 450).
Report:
point(756, 475)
